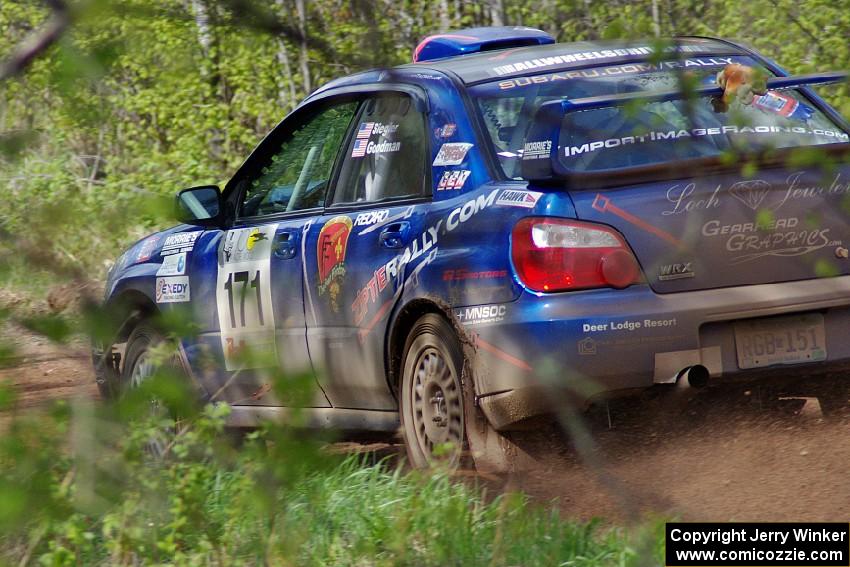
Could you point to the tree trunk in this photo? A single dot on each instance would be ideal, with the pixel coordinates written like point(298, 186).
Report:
point(656, 21)
point(202, 22)
point(445, 23)
point(497, 12)
point(303, 53)
point(286, 92)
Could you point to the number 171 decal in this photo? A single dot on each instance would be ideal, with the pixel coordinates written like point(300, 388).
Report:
point(243, 297)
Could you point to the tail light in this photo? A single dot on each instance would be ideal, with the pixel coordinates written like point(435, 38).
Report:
point(552, 254)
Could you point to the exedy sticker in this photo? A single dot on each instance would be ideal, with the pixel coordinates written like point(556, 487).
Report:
point(172, 290)
point(331, 249)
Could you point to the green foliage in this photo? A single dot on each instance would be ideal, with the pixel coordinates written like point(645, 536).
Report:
point(141, 98)
point(275, 500)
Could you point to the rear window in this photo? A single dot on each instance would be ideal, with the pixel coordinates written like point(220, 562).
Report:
point(649, 133)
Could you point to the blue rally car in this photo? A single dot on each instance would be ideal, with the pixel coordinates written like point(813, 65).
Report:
point(506, 225)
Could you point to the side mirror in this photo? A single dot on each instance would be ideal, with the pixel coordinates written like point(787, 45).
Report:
point(199, 205)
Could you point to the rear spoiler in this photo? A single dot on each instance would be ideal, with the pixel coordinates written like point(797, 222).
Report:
point(544, 136)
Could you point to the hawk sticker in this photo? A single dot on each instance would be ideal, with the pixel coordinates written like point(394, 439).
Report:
point(332, 245)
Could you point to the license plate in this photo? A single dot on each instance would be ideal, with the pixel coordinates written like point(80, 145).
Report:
point(780, 340)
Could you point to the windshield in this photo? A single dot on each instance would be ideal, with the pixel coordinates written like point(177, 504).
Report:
point(651, 133)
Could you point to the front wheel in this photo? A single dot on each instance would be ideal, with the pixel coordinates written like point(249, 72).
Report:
point(144, 358)
point(432, 407)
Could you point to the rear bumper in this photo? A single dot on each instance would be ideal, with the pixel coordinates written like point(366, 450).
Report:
point(574, 346)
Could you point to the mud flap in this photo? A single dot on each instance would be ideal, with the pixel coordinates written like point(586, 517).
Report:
point(492, 452)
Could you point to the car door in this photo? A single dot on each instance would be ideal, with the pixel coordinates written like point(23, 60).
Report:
point(259, 268)
point(361, 250)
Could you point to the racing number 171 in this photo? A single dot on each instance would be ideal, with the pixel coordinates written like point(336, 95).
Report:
point(243, 278)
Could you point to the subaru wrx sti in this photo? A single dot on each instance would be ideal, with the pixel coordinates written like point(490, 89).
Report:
point(505, 225)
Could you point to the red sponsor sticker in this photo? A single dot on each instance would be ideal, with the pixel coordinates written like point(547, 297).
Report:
point(331, 249)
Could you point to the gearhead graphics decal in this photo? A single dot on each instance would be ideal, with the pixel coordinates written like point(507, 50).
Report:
point(243, 297)
point(331, 249)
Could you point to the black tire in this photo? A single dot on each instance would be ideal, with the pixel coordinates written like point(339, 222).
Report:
point(144, 337)
point(138, 367)
point(432, 397)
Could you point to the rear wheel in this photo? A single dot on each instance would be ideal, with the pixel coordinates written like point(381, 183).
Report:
point(432, 402)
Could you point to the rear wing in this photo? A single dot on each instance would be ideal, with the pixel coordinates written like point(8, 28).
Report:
point(541, 156)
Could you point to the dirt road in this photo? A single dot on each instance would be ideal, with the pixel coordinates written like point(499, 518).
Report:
point(44, 371)
point(710, 461)
point(755, 465)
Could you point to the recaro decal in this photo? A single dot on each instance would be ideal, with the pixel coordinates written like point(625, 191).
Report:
point(331, 249)
point(405, 214)
point(243, 296)
point(372, 217)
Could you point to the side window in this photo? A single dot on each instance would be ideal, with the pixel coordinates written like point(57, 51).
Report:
point(295, 175)
point(386, 158)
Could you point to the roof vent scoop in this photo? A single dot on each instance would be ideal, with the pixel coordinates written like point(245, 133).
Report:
point(477, 40)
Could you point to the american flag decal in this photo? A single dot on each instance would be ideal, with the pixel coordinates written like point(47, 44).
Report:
point(359, 148)
point(365, 130)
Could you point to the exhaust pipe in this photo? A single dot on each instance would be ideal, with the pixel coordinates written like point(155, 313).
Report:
point(695, 376)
